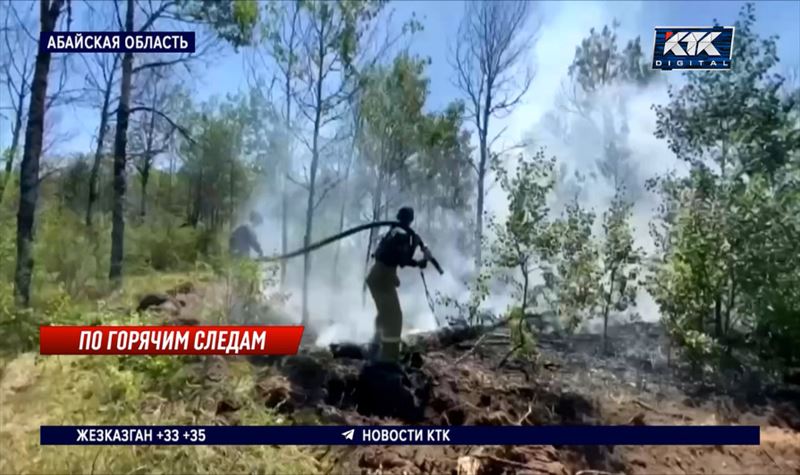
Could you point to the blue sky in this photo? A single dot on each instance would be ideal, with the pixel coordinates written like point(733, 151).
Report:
point(563, 25)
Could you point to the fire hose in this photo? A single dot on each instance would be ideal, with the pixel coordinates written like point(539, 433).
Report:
point(349, 232)
point(357, 229)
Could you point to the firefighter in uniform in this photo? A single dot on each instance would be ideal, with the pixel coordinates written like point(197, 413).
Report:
point(396, 249)
point(243, 238)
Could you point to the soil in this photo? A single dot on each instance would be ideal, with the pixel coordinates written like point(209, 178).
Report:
point(449, 380)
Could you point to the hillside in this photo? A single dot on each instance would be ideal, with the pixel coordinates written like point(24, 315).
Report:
point(457, 378)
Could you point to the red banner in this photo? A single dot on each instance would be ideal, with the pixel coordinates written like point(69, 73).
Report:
point(169, 340)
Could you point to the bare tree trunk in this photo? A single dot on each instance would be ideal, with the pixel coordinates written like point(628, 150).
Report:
point(230, 190)
point(286, 168)
point(149, 155)
point(15, 133)
point(486, 55)
point(145, 178)
point(120, 145)
point(376, 208)
point(483, 132)
point(525, 284)
point(312, 178)
point(345, 195)
point(98, 152)
point(171, 178)
point(29, 168)
point(337, 251)
point(284, 230)
point(479, 220)
point(607, 308)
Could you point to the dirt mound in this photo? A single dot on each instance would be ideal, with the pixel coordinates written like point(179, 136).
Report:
point(345, 389)
point(178, 306)
point(460, 377)
point(389, 390)
point(459, 381)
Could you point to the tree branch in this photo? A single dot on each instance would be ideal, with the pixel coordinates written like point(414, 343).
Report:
point(186, 134)
point(296, 182)
point(328, 187)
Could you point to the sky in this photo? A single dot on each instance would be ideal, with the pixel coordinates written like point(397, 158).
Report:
point(562, 24)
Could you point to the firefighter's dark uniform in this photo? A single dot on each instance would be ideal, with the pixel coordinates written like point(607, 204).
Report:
point(242, 240)
point(396, 249)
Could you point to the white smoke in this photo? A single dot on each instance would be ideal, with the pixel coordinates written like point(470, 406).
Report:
point(339, 308)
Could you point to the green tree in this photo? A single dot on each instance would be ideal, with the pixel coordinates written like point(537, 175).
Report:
point(216, 175)
point(577, 272)
point(329, 45)
point(233, 21)
point(599, 68)
point(391, 106)
point(621, 259)
point(720, 276)
point(525, 242)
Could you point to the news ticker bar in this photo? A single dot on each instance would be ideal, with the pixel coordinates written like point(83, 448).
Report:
point(170, 340)
point(399, 435)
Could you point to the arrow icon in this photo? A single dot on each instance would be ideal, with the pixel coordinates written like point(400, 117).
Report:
point(349, 434)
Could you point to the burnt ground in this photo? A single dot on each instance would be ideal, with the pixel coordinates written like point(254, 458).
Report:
point(463, 378)
point(570, 381)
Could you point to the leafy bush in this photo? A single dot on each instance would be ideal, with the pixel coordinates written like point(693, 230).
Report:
point(163, 245)
point(68, 253)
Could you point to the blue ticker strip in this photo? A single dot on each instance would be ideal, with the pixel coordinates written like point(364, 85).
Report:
point(399, 435)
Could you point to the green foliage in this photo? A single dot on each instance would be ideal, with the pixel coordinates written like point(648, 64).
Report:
point(468, 311)
point(523, 338)
point(700, 348)
point(80, 260)
point(598, 71)
point(214, 170)
point(729, 231)
point(19, 327)
point(8, 247)
point(577, 272)
point(401, 145)
point(527, 238)
point(621, 259)
point(170, 375)
point(134, 391)
point(162, 245)
point(599, 61)
point(233, 20)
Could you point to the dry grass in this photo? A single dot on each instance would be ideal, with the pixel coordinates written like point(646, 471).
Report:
point(117, 390)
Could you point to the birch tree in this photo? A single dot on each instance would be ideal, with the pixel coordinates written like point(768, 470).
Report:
point(491, 47)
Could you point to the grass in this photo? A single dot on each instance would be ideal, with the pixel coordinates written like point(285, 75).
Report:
point(100, 390)
point(125, 390)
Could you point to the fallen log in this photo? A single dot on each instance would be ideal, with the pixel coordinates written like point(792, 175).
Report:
point(449, 336)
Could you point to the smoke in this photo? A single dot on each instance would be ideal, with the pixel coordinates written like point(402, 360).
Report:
point(339, 307)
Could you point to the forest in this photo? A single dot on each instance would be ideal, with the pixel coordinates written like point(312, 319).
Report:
point(336, 127)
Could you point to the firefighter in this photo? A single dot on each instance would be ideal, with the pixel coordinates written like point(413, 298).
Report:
point(395, 249)
point(243, 238)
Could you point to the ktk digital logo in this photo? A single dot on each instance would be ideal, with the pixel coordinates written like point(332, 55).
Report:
point(693, 48)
